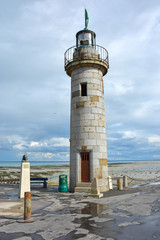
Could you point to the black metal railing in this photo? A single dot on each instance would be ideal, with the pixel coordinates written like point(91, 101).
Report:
point(102, 53)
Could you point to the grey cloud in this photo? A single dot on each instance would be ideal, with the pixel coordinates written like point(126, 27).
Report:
point(35, 91)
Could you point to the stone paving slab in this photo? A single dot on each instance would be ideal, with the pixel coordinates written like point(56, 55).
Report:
point(128, 215)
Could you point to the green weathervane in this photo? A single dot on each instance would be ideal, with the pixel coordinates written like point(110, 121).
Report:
point(86, 19)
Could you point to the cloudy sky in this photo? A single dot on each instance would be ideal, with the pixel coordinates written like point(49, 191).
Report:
point(35, 90)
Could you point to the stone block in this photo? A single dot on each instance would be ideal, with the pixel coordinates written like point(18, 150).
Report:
point(95, 192)
point(82, 136)
point(101, 99)
point(92, 70)
point(79, 143)
point(97, 75)
point(73, 83)
point(90, 104)
point(74, 100)
point(76, 88)
point(94, 135)
point(101, 123)
point(80, 104)
point(73, 136)
point(103, 184)
point(72, 143)
point(93, 86)
point(82, 80)
point(92, 92)
point(104, 130)
point(96, 170)
point(87, 74)
point(100, 105)
point(85, 110)
point(96, 81)
point(99, 129)
point(100, 73)
point(102, 136)
point(94, 122)
point(103, 111)
point(99, 117)
point(90, 142)
point(89, 129)
point(105, 172)
point(77, 76)
point(96, 148)
point(94, 98)
point(74, 129)
point(75, 123)
point(78, 117)
point(103, 161)
point(97, 110)
point(104, 154)
point(99, 93)
point(89, 116)
point(85, 123)
point(74, 112)
point(73, 105)
point(97, 155)
point(101, 142)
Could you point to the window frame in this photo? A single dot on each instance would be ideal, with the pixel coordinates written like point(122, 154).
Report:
point(83, 89)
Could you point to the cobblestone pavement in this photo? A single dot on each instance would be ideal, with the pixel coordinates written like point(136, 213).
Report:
point(128, 215)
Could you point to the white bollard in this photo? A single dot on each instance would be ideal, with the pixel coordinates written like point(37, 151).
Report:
point(125, 181)
point(110, 183)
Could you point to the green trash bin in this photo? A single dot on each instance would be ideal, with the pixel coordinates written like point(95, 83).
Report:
point(63, 187)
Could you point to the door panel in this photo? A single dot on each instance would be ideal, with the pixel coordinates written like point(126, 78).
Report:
point(85, 167)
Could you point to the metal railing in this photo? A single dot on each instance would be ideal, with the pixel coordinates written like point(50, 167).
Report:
point(102, 53)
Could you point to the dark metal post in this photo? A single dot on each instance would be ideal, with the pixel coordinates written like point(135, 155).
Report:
point(27, 205)
point(45, 184)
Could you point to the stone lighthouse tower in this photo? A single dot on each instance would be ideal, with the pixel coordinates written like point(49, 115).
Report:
point(86, 64)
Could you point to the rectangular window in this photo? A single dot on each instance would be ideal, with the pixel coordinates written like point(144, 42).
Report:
point(83, 89)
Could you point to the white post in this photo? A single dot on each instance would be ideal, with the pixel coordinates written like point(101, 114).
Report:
point(125, 181)
point(24, 185)
point(110, 183)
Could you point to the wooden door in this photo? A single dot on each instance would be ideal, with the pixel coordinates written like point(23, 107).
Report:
point(85, 167)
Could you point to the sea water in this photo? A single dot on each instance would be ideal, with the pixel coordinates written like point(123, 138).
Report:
point(61, 163)
point(33, 163)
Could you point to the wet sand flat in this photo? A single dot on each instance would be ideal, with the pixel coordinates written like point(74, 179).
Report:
point(137, 170)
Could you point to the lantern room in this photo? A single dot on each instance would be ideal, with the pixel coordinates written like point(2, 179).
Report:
point(85, 37)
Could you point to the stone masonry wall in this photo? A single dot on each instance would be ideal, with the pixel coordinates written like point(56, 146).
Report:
point(88, 131)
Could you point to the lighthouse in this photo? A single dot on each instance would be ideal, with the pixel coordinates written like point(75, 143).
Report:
point(86, 64)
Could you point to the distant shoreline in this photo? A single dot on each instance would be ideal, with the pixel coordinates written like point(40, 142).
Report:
point(34, 164)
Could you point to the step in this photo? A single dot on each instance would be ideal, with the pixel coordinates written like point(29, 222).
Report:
point(82, 189)
point(83, 184)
